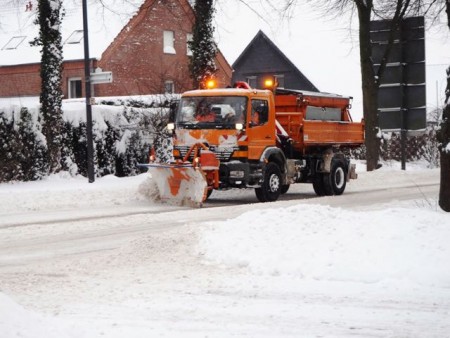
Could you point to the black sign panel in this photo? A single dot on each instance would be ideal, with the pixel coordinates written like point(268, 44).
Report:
point(393, 96)
point(402, 84)
point(390, 119)
point(412, 73)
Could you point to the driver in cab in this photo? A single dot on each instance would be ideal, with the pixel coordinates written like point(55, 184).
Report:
point(205, 114)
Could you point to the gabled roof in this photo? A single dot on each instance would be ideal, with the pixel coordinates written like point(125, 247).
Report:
point(259, 38)
point(105, 21)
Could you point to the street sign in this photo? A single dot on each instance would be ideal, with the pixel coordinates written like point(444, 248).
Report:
point(401, 96)
point(101, 77)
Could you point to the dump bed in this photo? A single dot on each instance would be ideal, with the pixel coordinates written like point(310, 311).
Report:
point(314, 119)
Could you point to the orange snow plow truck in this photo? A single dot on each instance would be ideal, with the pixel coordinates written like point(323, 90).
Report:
point(262, 139)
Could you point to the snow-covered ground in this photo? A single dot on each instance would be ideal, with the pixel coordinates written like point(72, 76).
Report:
point(101, 260)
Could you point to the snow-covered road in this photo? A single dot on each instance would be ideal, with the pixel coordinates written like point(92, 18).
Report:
point(100, 260)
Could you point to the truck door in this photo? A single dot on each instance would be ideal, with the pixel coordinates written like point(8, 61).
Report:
point(261, 129)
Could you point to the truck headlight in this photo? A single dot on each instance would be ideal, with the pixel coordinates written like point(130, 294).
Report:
point(239, 126)
point(171, 126)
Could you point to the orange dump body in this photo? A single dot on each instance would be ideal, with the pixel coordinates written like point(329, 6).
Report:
point(317, 119)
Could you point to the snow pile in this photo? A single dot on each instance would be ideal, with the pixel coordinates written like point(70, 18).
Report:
point(324, 243)
point(59, 192)
point(15, 321)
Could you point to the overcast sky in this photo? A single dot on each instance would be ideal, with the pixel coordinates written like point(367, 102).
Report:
point(325, 50)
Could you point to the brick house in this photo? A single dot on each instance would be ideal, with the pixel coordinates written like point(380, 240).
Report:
point(261, 59)
point(143, 44)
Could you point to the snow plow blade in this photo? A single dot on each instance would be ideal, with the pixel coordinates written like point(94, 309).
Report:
point(179, 184)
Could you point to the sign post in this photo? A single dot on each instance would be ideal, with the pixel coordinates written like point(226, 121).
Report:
point(87, 76)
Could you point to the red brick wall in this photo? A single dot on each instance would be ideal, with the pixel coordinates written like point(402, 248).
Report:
point(21, 80)
point(25, 80)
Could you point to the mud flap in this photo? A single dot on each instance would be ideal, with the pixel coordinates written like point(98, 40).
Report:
point(178, 184)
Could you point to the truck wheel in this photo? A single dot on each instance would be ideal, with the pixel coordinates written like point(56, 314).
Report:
point(318, 186)
point(336, 180)
point(284, 188)
point(271, 187)
point(339, 177)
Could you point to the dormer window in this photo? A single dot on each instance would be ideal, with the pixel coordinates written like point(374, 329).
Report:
point(75, 37)
point(14, 42)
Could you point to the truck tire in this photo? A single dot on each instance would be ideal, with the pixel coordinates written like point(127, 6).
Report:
point(334, 183)
point(271, 187)
point(318, 185)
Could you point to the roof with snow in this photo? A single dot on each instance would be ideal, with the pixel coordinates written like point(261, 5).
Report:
point(105, 20)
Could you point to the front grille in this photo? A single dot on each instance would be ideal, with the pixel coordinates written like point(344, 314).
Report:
point(222, 154)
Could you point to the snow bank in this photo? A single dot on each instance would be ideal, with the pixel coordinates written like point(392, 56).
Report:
point(324, 243)
point(16, 321)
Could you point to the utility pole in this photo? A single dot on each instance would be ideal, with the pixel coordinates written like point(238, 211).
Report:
point(87, 81)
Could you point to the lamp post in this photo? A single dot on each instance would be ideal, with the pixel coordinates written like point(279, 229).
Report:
point(87, 81)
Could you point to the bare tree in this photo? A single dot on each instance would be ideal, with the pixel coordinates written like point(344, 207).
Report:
point(366, 10)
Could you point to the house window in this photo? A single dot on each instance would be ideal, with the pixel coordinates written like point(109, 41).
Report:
point(280, 80)
point(189, 37)
point(251, 80)
point(169, 42)
point(14, 42)
point(75, 37)
point(169, 87)
point(74, 88)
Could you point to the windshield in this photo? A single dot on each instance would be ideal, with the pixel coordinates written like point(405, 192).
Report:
point(211, 111)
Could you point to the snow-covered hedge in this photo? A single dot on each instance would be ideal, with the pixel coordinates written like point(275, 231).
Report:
point(423, 146)
point(123, 130)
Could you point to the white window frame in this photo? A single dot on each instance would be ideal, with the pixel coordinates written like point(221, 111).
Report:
point(169, 84)
point(252, 81)
point(189, 37)
point(169, 42)
point(70, 88)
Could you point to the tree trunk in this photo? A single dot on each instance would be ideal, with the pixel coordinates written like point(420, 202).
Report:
point(444, 139)
point(49, 21)
point(444, 191)
point(444, 147)
point(369, 89)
